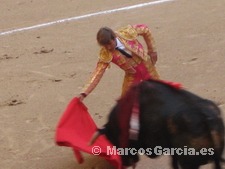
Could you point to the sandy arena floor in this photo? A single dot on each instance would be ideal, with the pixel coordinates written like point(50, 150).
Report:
point(43, 68)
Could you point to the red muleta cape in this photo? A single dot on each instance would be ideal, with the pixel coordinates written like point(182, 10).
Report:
point(75, 129)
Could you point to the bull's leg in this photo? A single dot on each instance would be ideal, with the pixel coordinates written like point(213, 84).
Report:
point(189, 165)
point(217, 159)
point(217, 166)
point(217, 163)
point(130, 160)
point(174, 162)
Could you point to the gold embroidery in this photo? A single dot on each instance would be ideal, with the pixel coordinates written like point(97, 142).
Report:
point(135, 60)
point(95, 77)
point(127, 32)
point(145, 32)
point(105, 56)
point(152, 69)
point(128, 36)
point(128, 81)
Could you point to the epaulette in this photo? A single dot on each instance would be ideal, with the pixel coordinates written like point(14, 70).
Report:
point(127, 32)
point(105, 56)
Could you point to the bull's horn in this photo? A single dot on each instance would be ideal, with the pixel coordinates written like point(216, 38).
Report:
point(94, 138)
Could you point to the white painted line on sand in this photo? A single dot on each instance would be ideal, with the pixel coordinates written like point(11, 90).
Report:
point(83, 16)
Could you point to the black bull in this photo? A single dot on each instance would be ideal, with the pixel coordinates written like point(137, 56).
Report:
point(168, 118)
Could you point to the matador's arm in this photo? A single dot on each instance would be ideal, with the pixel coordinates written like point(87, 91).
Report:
point(95, 78)
point(144, 31)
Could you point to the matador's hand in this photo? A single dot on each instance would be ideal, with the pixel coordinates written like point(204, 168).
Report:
point(81, 96)
point(154, 57)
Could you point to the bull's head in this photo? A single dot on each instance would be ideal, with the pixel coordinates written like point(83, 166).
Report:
point(96, 135)
point(127, 160)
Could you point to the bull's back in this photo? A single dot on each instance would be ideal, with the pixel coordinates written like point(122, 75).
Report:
point(178, 118)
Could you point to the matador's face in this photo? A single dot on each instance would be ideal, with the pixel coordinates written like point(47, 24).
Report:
point(111, 45)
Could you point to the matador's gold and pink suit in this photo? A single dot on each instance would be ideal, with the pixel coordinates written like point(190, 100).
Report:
point(140, 61)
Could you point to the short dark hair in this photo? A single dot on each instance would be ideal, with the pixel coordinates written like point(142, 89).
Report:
point(105, 35)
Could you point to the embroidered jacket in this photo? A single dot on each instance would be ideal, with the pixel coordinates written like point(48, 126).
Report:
point(128, 37)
